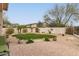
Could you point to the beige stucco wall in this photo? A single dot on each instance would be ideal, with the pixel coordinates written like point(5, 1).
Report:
point(34, 25)
point(55, 30)
point(30, 30)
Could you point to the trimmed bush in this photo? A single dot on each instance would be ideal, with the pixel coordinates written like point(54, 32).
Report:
point(30, 41)
point(7, 35)
point(24, 30)
point(63, 35)
point(49, 31)
point(37, 30)
point(3, 47)
point(54, 38)
point(19, 42)
point(32, 36)
point(2, 40)
point(46, 39)
point(9, 31)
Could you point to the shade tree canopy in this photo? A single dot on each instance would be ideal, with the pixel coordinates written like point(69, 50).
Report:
point(62, 15)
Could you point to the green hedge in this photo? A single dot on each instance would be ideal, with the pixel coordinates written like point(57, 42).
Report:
point(3, 46)
point(2, 40)
point(33, 36)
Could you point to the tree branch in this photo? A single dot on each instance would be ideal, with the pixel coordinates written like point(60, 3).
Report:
point(68, 19)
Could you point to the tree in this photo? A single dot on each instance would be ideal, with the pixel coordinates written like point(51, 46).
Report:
point(14, 25)
point(62, 15)
point(20, 27)
point(39, 24)
point(6, 22)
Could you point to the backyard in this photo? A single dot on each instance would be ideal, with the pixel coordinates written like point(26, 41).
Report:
point(31, 32)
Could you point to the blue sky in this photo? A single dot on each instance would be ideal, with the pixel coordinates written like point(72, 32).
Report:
point(26, 13)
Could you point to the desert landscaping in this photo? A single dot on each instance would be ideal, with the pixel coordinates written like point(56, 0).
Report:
point(64, 46)
point(56, 35)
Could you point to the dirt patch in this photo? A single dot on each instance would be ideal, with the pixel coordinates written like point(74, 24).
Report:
point(61, 47)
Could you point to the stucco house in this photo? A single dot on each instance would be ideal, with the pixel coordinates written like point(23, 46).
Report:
point(44, 24)
point(32, 25)
point(3, 6)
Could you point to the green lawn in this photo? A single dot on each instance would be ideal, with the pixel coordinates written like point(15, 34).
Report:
point(33, 36)
point(2, 44)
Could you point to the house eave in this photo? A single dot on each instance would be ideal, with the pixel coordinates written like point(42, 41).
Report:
point(3, 6)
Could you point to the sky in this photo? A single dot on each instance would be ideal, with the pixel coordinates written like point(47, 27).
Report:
point(27, 13)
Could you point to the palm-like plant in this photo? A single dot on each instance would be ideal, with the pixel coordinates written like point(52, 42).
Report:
point(20, 27)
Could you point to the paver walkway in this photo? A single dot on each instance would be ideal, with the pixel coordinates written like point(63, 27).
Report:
point(65, 46)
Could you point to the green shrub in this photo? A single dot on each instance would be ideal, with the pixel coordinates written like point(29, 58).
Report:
point(24, 30)
point(37, 30)
point(30, 41)
point(13, 35)
point(49, 32)
point(9, 31)
point(32, 36)
point(2, 40)
point(3, 47)
point(46, 39)
point(54, 38)
point(19, 42)
point(69, 30)
point(63, 35)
